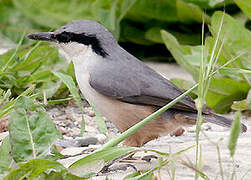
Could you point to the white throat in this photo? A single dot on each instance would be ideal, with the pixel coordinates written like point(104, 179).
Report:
point(84, 60)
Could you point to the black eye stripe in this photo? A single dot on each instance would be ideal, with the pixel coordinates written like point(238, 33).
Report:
point(66, 37)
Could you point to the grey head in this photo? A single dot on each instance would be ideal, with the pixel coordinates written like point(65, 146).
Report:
point(86, 32)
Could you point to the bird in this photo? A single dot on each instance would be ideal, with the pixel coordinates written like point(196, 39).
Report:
point(121, 87)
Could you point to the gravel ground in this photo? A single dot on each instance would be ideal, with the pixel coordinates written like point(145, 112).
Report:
point(68, 120)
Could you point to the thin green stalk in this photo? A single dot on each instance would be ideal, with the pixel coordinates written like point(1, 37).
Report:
point(14, 54)
point(137, 126)
point(219, 160)
point(199, 103)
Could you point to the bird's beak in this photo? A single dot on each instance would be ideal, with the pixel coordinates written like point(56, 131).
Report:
point(43, 36)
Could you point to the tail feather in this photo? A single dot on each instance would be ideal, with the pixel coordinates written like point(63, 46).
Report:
point(209, 117)
point(220, 120)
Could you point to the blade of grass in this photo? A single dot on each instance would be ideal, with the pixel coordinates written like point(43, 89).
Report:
point(68, 81)
point(206, 71)
point(199, 102)
point(14, 54)
point(234, 134)
point(12, 103)
point(100, 121)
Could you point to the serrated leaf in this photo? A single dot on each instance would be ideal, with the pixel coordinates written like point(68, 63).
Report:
point(234, 134)
point(26, 103)
point(31, 136)
point(106, 155)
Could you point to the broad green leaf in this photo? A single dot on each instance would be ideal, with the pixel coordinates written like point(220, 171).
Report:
point(222, 92)
point(133, 34)
point(231, 30)
point(190, 13)
point(245, 6)
point(209, 3)
point(163, 10)
point(153, 34)
point(104, 12)
point(186, 56)
point(26, 103)
point(234, 134)
point(106, 155)
point(31, 136)
point(33, 169)
point(5, 157)
point(185, 85)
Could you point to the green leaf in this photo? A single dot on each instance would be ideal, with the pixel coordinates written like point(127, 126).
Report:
point(100, 121)
point(245, 6)
point(190, 13)
point(26, 103)
point(222, 92)
point(5, 158)
point(234, 134)
point(9, 105)
point(106, 155)
point(240, 105)
point(31, 136)
point(184, 85)
point(186, 56)
point(134, 176)
point(153, 34)
point(62, 175)
point(163, 10)
point(33, 169)
point(133, 34)
point(68, 81)
point(209, 3)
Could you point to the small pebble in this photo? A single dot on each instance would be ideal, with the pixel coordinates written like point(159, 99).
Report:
point(91, 114)
point(72, 151)
point(86, 140)
point(101, 138)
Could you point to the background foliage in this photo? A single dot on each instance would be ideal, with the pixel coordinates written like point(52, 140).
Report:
point(159, 30)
